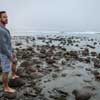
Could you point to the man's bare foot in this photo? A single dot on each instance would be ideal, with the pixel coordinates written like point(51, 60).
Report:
point(9, 90)
point(15, 76)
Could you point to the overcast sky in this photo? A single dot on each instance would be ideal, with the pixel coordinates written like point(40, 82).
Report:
point(53, 15)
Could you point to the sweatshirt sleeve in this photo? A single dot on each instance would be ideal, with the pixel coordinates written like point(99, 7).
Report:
point(4, 46)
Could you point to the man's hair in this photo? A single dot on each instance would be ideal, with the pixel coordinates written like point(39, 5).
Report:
point(1, 12)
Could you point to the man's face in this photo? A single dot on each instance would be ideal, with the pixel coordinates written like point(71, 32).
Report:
point(4, 19)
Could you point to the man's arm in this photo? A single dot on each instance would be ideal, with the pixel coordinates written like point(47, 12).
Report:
point(4, 46)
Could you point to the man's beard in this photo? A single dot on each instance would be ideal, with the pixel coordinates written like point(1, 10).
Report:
point(4, 22)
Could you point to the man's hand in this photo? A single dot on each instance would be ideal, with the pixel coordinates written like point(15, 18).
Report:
point(13, 58)
point(13, 55)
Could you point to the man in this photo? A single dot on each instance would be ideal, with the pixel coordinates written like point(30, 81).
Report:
point(7, 54)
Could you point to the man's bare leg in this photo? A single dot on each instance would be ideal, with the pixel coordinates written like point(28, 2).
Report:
point(14, 71)
point(5, 83)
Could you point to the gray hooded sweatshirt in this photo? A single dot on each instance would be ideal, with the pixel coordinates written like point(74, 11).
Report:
point(5, 42)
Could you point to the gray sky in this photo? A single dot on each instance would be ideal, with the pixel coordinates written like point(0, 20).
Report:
point(53, 15)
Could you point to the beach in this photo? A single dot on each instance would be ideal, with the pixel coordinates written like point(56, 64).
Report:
point(58, 66)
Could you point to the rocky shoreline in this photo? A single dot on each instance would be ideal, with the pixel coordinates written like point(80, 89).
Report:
point(59, 68)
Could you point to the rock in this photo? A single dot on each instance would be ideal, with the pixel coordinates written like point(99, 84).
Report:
point(59, 94)
point(97, 77)
point(18, 44)
point(88, 69)
point(70, 54)
point(56, 57)
point(31, 69)
point(30, 49)
point(95, 72)
point(92, 88)
point(10, 95)
point(58, 97)
point(93, 54)
point(63, 62)
point(42, 55)
point(17, 82)
point(92, 40)
point(36, 60)
point(29, 92)
point(77, 45)
point(85, 52)
point(97, 63)
point(55, 65)
point(95, 43)
point(74, 54)
point(1, 93)
point(64, 74)
point(26, 63)
point(98, 56)
point(82, 94)
point(22, 73)
point(64, 49)
point(54, 75)
point(62, 91)
point(87, 59)
point(36, 75)
point(42, 51)
point(26, 54)
point(67, 56)
point(84, 59)
point(50, 61)
point(90, 46)
point(69, 41)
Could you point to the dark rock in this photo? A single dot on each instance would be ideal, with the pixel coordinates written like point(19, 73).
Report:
point(97, 63)
point(58, 97)
point(76, 45)
point(85, 52)
point(42, 51)
point(90, 46)
point(55, 65)
point(93, 54)
point(10, 95)
point(36, 75)
point(26, 64)
point(42, 55)
point(62, 91)
point(88, 69)
point(74, 54)
point(18, 44)
point(30, 49)
point(98, 56)
point(95, 43)
point(84, 59)
point(30, 92)
point(36, 61)
point(63, 74)
point(69, 41)
point(17, 82)
point(82, 94)
point(26, 55)
point(97, 77)
point(54, 75)
point(1, 93)
point(50, 61)
point(95, 72)
point(63, 62)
